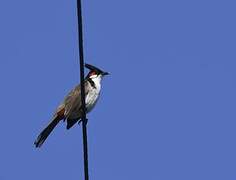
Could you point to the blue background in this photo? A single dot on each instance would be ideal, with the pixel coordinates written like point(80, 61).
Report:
point(167, 111)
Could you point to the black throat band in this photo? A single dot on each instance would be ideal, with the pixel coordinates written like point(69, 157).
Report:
point(91, 83)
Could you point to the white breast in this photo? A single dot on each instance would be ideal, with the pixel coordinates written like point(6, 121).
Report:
point(93, 95)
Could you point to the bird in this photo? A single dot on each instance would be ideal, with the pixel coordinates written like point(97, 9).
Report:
point(70, 110)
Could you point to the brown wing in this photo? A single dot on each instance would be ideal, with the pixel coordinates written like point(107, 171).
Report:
point(71, 106)
point(73, 102)
point(66, 107)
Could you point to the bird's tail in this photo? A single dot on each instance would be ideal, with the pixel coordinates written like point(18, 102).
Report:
point(45, 133)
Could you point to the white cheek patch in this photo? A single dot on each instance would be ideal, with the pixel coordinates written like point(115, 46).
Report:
point(94, 76)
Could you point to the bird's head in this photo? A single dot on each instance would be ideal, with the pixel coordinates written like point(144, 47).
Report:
point(95, 72)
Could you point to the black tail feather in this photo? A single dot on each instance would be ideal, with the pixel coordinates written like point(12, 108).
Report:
point(45, 133)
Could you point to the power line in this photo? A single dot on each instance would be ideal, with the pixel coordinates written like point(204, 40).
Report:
point(83, 118)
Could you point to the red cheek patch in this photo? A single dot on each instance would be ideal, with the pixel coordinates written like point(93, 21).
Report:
point(92, 73)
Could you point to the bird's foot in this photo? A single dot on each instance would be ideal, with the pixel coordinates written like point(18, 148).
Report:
point(86, 121)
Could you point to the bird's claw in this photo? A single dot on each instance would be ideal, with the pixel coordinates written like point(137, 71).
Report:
point(86, 121)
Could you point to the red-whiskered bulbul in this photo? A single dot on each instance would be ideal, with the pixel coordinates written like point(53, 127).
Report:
point(71, 109)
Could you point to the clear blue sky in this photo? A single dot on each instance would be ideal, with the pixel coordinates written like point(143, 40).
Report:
point(167, 112)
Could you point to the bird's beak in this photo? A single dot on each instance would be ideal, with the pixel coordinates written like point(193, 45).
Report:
point(105, 73)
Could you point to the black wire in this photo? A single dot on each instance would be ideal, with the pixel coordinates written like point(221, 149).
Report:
point(84, 119)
